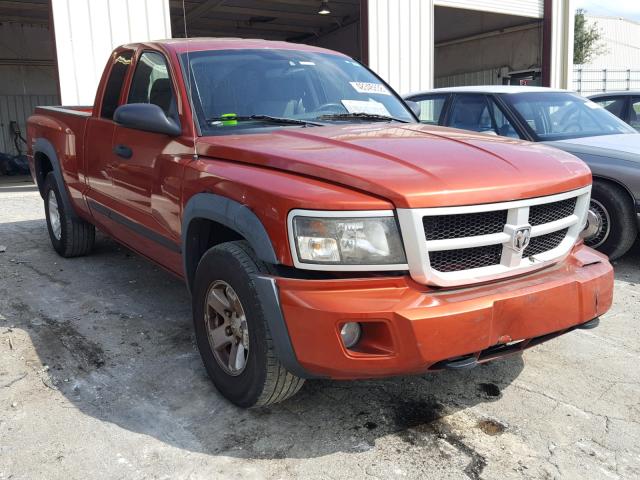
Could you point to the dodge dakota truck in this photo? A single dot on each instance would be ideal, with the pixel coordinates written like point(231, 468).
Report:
point(321, 230)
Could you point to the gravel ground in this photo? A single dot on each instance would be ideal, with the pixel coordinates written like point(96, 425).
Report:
point(100, 378)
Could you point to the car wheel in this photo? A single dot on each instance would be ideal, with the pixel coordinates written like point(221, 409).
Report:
point(70, 237)
point(611, 222)
point(231, 332)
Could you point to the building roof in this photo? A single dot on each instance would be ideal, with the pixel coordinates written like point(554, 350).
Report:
point(489, 89)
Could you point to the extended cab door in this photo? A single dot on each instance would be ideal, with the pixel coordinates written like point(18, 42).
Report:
point(100, 128)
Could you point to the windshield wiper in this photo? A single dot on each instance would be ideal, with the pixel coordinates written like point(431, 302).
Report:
point(265, 118)
point(360, 115)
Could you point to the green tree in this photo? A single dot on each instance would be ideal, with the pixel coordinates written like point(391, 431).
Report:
point(586, 40)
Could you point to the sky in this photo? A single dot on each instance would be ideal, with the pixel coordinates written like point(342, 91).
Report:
point(615, 8)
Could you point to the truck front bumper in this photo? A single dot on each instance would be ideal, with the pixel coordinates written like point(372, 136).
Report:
point(409, 328)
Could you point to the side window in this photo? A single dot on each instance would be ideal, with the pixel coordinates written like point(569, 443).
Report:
point(151, 83)
point(114, 84)
point(634, 113)
point(503, 125)
point(431, 108)
point(471, 112)
point(613, 105)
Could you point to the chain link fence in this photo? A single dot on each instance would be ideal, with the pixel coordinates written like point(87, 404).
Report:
point(587, 81)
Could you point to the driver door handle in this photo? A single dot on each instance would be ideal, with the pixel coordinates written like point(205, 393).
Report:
point(123, 151)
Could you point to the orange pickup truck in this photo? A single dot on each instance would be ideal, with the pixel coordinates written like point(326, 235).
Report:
point(321, 230)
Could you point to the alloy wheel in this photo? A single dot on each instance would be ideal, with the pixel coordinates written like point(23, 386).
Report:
point(227, 329)
point(54, 215)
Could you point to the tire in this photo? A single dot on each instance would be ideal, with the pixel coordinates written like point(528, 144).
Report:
point(612, 226)
point(70, 237)
point(259, 379)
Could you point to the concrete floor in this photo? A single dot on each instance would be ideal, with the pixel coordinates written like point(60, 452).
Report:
point(100, 378)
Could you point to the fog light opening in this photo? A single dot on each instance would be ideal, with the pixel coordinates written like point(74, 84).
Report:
point(350, 334)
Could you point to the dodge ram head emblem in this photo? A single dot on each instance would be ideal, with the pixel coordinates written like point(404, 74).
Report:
point(520, 238)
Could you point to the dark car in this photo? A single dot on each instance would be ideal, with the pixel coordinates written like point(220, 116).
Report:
point(624, 105)
point(566, 121)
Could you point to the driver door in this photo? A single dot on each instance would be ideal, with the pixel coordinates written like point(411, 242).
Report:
point(145, 172)
point(136, 152)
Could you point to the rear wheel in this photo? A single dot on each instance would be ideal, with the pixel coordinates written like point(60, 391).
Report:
point(231, 332)
point(611, 222)
point(70, 236)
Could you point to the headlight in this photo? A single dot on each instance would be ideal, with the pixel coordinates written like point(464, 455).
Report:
point(346, 240)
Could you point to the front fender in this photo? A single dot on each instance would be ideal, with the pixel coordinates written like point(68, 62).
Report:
point(232, 215)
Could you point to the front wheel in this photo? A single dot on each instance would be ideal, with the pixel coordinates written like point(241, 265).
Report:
point(611, 222)
point(231, 332)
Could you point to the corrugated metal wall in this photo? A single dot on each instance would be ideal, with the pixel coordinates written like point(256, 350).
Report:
point(27, 76)
point(524, 8)
point(401, 42)
point(87, 31)
point(621, 41)
point(18, 108)
point(491, 76)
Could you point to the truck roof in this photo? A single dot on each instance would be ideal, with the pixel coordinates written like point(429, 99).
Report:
point(198, 44)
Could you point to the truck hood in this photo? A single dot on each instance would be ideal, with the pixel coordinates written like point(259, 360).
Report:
point(625, 145)
point(411, 165)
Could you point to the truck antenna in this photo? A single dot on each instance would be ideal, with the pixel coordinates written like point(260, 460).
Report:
point(188, 70)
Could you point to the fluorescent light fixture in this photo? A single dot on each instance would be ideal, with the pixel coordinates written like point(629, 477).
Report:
point(324, 8)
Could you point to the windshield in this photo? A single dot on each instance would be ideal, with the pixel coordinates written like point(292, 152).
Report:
point(564, 115)
point(235, 90)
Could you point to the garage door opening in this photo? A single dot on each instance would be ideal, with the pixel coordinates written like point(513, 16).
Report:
point(485, 48)
point(333, 24)
point(28, 75)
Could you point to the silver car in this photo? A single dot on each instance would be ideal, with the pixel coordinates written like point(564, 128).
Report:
point(624, 105)
point(564, 120)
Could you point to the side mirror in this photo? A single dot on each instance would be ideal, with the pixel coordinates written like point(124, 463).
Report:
point(147, 117)
point(415, 107)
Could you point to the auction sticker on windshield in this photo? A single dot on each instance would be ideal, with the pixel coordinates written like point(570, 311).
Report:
point(371, 107)
point(367, 87)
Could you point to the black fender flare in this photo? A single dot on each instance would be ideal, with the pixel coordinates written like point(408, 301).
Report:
point(243, 221)
point(44, 146)
point(232, 215)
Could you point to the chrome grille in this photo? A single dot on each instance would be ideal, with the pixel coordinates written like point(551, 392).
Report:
point(450, 246)
point(547, 213)
point(442, 227)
